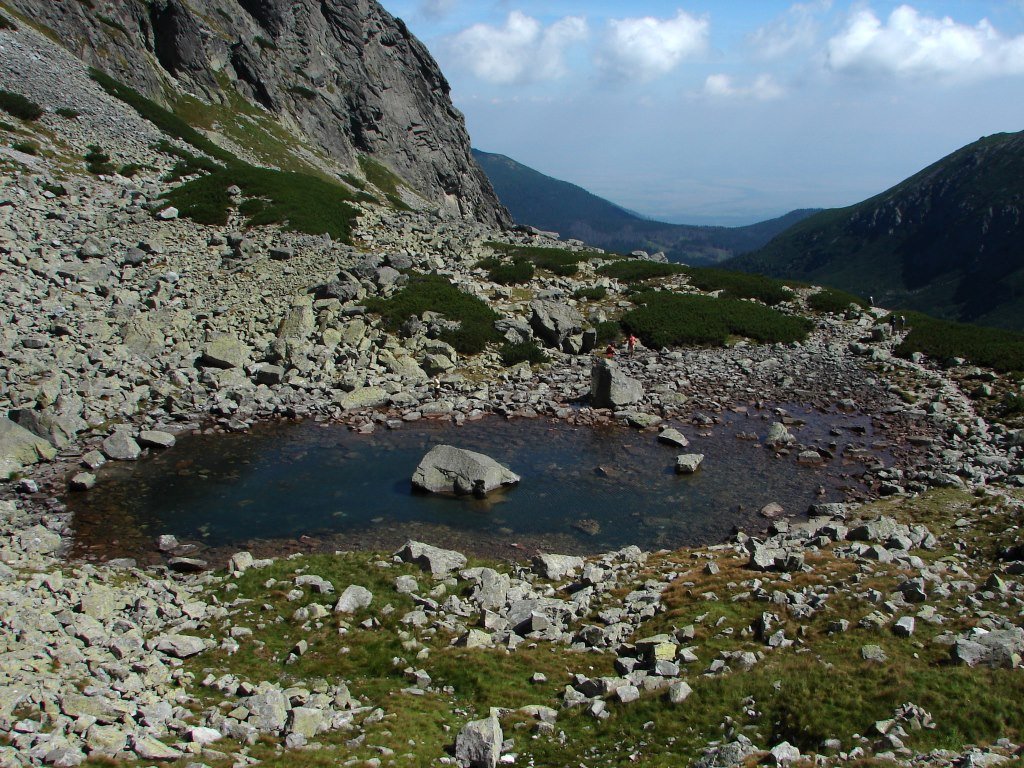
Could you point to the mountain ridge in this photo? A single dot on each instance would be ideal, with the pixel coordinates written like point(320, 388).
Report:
point(944, 241)
point(538, 200)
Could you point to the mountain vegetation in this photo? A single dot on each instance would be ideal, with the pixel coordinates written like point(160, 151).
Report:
point(946, 241)
point(540, 201)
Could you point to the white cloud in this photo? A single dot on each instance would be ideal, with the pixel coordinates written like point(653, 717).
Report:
point(646, 48)
point(763, 88)
point(912, 45)
point(523, 50)
point(796, 30)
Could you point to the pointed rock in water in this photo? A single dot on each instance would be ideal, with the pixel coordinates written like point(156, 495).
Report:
point(673, 437)
point(447, 469)
point(779, 436)
point(688, 463)
point(611, 388)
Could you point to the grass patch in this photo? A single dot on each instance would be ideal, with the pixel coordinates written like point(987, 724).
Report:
point(433, 293)
point(131, 170)
point(57, 190)
point(6, 23)
point(19, 106)
point(265, 44)
point(943, 340)
point(666, 319)
point(523, 352)
point(385, 180)
point(162, 118)
point(67, 113)
point(27, 146)
point(98, 162)
point(112, 23)
point(296, 201)
point(834, 301)
point(558, 261)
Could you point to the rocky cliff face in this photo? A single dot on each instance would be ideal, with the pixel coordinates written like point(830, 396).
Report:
point(343, 76)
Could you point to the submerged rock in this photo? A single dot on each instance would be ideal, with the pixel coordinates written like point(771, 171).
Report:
point(447, 469)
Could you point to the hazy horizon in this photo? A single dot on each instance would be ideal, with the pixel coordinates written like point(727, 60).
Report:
point(725, 111)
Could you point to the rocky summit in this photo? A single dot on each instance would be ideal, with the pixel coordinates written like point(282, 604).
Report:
point(166, 268)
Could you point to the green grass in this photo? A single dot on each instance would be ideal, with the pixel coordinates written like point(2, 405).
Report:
point(67, 113)
point(296, 201)
point(834, 301)
point(385, 180)
point(162, 118)
point(19, 106)
point(639, 270)
point(558, 261)
point(942, 340)
point(6, 23)
point(433, 293)
point(666, 319)
point(302, 91)
point(523, 352)
point(265, 44)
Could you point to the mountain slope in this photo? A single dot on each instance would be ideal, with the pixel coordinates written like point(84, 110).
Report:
point(341, 77)
point(946, 241)
point(547, 203)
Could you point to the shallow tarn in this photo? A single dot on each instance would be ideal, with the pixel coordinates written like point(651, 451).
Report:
point(304, 486)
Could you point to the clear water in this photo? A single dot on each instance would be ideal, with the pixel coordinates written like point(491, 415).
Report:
point(582, 489)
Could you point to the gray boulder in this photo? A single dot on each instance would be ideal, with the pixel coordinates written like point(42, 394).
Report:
point(224, 351)
point(558, 325)
point(611, 388)
point(121, 446)
point(688, 463)
point(353, 599)
point(440, 562)
point(779, 436)
point(478, 744)
point(556, 567)
point(56, 428)
point(19, 448)
point(447, 469)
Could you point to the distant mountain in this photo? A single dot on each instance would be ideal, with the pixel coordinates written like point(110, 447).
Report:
point(546, 203)
point(948, 241)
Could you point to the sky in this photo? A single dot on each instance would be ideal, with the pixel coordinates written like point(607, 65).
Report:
point(728, 111)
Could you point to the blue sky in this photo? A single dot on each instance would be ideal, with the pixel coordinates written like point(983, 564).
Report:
point(730, 111)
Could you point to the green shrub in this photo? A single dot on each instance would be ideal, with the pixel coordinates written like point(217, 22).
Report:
point(57, 190)
point(666, 319)
point(6, 23)
point(558, 261)
point(4, 126)
point(834, 301)
point(19, 106)
point(1012, 405)
point(131, 170)
point(98, 162)
point(296, 201)
point(264, 44)
point(512, 273)
point(27, 146)
point(738, 285)
point(608, 332)
point(638, 270)
point(942, 340)
point(523, 352)
point(591, 294)
point(434, 293)
point(68, 113)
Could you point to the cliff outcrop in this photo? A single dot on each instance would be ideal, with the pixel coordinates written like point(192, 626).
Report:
point(343, 77)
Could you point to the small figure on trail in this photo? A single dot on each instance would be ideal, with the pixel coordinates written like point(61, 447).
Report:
point(892, 322)
point(631, 344)
point(609, 351)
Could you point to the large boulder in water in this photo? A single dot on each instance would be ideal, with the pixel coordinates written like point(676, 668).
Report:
point(611, 388)
point(447, 469)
